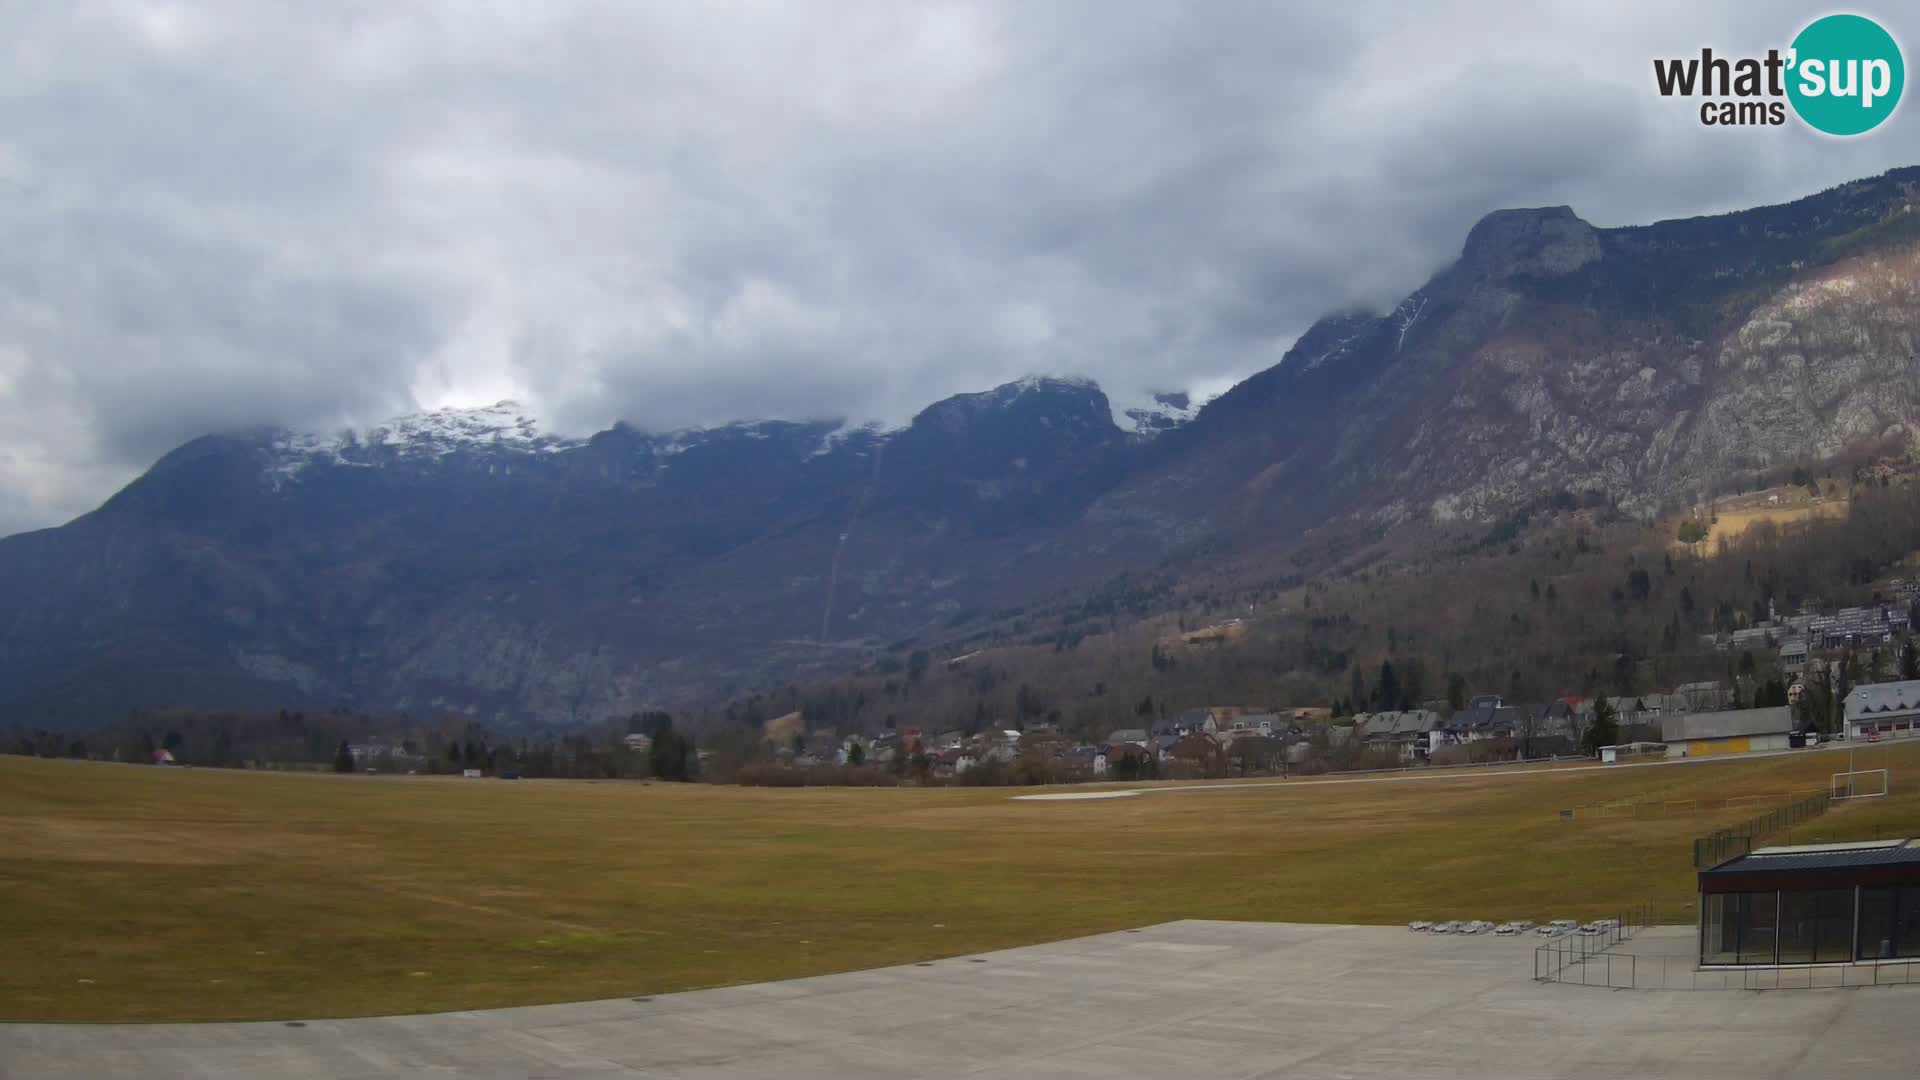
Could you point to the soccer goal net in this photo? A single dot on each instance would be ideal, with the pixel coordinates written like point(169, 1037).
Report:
point(1860, 784)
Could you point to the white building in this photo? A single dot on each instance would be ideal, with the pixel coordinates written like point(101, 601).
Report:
point(1883, 711)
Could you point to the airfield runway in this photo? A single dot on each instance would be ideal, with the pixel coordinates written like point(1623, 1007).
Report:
point(1180, 999)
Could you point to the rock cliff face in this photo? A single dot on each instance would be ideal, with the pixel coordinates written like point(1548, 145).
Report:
point(465, 561)
point(1645, 363)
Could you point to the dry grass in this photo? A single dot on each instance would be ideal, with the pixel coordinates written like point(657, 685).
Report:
point(1732, 519)
point(150, 894)
point(1732, 523)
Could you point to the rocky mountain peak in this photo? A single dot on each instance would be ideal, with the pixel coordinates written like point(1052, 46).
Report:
point(1542, 242)
point(1073, 401)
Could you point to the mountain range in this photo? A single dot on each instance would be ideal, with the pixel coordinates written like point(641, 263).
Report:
point(463, 561)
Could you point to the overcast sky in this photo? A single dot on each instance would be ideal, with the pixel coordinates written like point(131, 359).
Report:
point(227, 213)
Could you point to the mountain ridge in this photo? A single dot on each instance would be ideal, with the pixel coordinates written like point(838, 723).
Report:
point(466, 562)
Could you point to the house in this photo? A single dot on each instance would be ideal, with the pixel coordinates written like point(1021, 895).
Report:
point(1264, 724)
point(1415, 733)
point(1700, 696)
point(1091, 758)
point(1556, 728)
point(1476, 723)
point(1734, 731)
point(1194, 722)
point(1664, 704)
point(1632, 710)
point(1197, 750)
point(1883, 711)
point(996, 750)
point(1793, 654)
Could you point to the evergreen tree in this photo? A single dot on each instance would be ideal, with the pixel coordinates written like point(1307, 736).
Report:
point(1605, 729)
point(1387, 694)
point(343, 758)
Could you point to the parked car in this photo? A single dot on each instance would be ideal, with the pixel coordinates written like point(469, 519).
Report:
point(1505, 929)
point(1524, 926)
point(1471, 926)
point(1447, 927)
point(1418, 925)
point(1564, 925)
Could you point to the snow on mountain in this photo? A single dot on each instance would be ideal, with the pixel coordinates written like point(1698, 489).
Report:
point(428, 436)
point(507, 426)
point(872, 430)
point(504, 424)
point(1160, 411)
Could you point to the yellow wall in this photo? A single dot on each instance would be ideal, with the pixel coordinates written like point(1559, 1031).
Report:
point(1703, 747)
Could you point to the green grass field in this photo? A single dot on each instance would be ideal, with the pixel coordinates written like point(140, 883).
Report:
point(132, 893)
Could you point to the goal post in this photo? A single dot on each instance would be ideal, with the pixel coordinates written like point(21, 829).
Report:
point(1860, 784)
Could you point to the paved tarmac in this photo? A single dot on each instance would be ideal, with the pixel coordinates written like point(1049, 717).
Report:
point(1182, 999)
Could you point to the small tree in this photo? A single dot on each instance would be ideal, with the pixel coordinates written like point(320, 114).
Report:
point(857, 754)
point(343, 758)
point(670, 756)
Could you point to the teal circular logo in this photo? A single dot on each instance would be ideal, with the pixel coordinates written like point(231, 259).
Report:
point(1846, 74)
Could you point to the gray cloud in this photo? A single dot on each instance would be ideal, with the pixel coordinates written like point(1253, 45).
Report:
point(223, 213)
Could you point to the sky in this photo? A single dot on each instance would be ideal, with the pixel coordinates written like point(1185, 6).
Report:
point(222, 214)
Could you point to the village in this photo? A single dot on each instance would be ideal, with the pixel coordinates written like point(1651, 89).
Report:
point(1844, 656)
point(1222, 741)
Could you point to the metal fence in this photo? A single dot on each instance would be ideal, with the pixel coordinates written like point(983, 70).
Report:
point(1630, 971)
point(1736, 840)
point(1565, 958)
